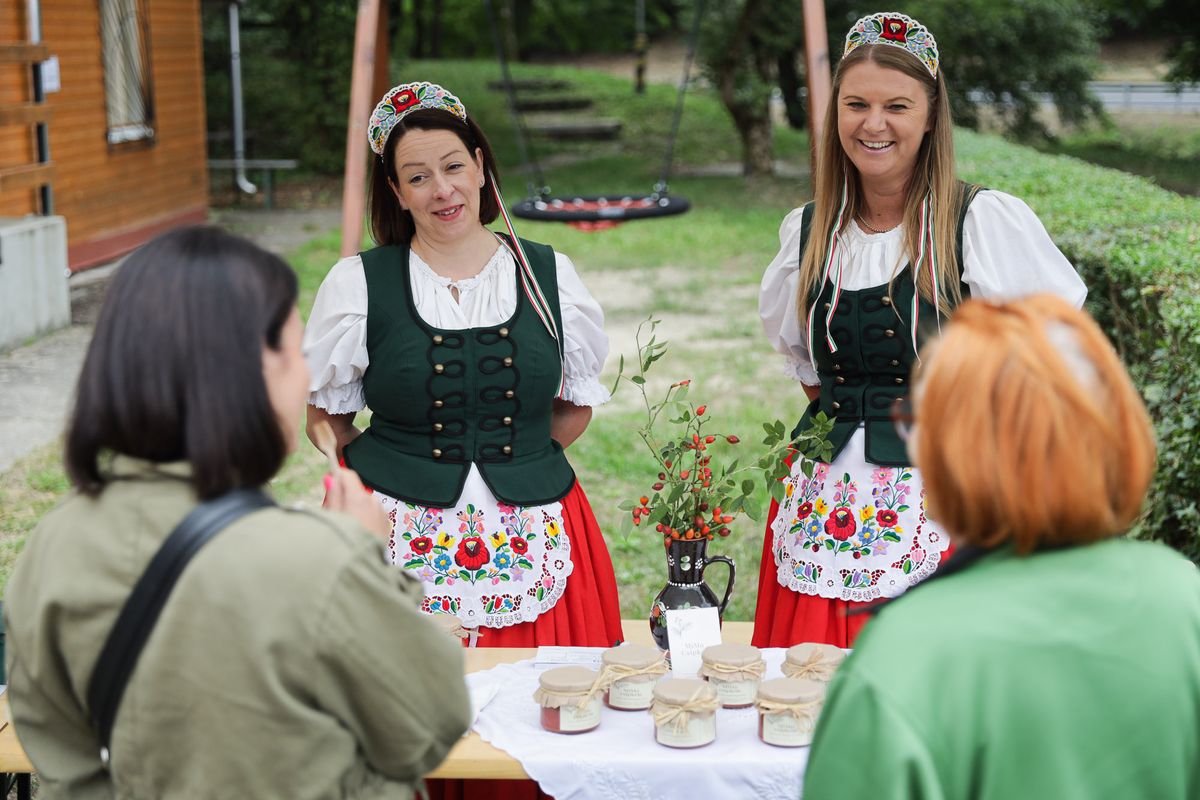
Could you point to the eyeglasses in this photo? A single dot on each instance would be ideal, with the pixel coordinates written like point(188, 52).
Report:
point(902, 418)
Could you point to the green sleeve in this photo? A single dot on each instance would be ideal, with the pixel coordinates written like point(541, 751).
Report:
point(390, 676)
point(864, 747)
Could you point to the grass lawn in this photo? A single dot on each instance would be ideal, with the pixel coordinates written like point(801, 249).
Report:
point(1163, 147)
point(697, 272)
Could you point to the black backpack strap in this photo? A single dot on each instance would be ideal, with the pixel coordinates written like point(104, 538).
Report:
point(145, 603)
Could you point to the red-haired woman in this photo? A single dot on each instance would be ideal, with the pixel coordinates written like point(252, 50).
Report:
point(1031, 664)
point(891, 241)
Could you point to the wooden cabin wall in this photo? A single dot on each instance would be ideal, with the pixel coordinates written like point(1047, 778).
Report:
point(114, 197)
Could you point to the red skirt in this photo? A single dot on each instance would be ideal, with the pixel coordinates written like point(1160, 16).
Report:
point(587, 615)
point(783, 617)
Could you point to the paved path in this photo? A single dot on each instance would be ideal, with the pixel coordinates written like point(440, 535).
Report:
point(37, 382)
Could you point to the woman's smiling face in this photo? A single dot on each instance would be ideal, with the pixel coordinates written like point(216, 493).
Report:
point(883, 116)
point(438, 181)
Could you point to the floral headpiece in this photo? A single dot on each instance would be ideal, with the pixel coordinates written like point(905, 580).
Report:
point(402, 100)
point(890, 27)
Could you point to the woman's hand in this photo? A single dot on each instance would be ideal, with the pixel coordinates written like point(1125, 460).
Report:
point(342, 425)
point(344, 492)
point(568, 422)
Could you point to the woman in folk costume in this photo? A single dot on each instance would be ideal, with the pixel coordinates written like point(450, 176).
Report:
point(478, 355)
point(890, 244)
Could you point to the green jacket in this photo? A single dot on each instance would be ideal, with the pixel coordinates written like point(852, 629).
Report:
point(1071, 674)
point(290, 660)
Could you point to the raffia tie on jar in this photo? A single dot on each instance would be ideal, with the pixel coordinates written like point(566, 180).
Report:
point(568, 697)
point(810, 661)
point(787, 711)
point(628, 674)
point(684, 712)
point(735, 670)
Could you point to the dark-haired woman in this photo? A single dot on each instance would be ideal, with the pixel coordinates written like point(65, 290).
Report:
point(271, 667)
point(478, 355)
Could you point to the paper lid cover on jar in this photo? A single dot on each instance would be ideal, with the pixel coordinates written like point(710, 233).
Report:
point(698, 695)
point(564, 684)
point(789, 691)
point(733, 655)
point(732, 662)
point(633, 656)
point(812, 661)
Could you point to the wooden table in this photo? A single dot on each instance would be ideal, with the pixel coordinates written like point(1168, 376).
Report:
point(472, 757)
point(14, 764)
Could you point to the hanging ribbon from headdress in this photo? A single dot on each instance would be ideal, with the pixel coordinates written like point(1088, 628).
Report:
point(529, 281)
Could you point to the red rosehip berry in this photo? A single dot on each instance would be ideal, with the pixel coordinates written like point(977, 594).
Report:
point(732, 439)
point(700, 411)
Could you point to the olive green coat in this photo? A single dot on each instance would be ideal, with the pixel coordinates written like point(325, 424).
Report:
point(290, 661)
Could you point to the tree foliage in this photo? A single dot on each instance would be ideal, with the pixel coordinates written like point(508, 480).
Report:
point(1174, 20)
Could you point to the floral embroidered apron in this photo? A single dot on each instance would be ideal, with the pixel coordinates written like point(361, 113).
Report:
point(854, 530)
point(488, 563)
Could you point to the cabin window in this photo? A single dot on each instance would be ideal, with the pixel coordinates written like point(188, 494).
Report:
point(124, 36)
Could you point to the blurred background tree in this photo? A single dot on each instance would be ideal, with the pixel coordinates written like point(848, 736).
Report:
point(1000, 58)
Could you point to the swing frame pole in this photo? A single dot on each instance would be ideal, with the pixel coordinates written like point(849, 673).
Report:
point(816, 62)
point(368, 81)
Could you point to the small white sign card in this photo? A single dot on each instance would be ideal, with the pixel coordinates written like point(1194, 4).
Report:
point(689, 631)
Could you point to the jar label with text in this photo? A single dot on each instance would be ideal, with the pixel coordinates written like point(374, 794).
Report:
point(573, 718)
point(735, 693)
point(700, 730)
point(631, 694)
point(785, 730)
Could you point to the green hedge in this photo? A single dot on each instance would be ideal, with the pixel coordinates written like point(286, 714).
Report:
point(1138, 249)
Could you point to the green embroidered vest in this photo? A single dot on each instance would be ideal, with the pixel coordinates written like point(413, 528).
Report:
point(870, 370)
point(442, 399)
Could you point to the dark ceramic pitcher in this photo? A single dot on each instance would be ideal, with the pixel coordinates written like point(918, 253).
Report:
point(686, 562)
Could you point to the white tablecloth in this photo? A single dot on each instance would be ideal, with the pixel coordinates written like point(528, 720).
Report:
point(620, 760)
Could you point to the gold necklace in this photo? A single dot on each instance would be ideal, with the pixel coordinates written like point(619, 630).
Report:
point(873, 229)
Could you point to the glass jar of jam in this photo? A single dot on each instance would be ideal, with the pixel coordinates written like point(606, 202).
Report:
point(628, 674)
point(569, 702)
point(811, 661)
point(787, 711)
point(734, 670)
point(685, 712)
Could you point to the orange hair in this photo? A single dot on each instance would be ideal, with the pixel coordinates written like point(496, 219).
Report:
point(1029, 430)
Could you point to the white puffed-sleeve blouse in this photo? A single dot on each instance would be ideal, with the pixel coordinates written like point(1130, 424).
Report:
point(1007, 254)
point(335, 339)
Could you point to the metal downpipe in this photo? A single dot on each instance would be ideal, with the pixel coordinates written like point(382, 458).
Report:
point(235, 80)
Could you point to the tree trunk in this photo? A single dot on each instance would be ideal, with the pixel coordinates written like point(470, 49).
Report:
point(418, 21)
point(790, 83)
point(508, 26)
point(435, 40)
point(751, 116)
point(754, 129)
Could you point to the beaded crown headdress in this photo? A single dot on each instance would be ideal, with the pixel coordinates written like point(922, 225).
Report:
point(897, 30)
point(402, 100)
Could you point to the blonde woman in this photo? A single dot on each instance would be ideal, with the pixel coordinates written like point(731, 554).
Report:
point(890, 244)
point(1031, 664)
